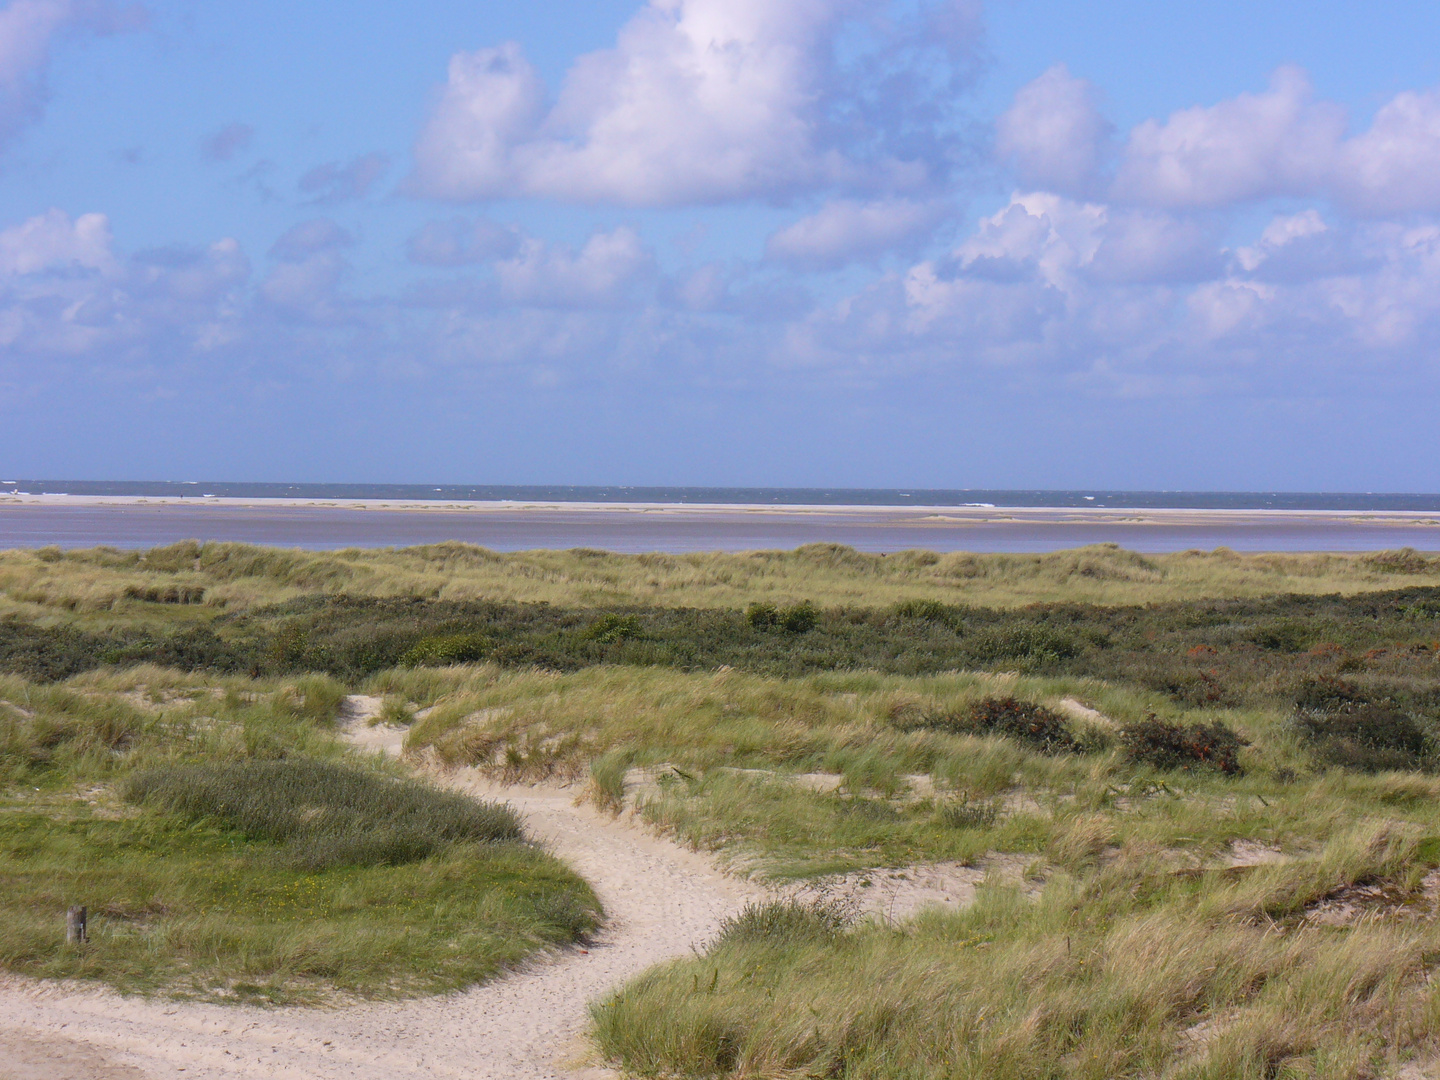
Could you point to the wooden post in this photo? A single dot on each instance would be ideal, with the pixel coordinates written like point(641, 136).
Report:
point(75, 925)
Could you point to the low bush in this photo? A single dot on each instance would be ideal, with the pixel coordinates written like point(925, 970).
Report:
point(798, 619)
point(1365, 736)
point(326, 815)
point(1031, 646)
point(1024, 721)
point(928, 610)
point(1326, 693)
point(1165, 745)
point(611, 628)
point(446, 649)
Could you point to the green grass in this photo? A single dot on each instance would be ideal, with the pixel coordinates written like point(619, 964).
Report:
point(198, 910)
point(228, 847)
point(326, 815)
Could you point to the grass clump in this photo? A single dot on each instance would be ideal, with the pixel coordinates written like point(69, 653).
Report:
point(1163, 744)
point(968, 815)
point(785, 922)
point(1086, 983)
point(326, 815)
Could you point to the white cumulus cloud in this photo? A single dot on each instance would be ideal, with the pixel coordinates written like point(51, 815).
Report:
point(1053, 134)
point(1394, 167)
point(699, 101)
point(53, 241)
point(1279, 142)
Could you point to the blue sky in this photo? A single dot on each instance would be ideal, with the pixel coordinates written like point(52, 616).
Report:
point(832, 242)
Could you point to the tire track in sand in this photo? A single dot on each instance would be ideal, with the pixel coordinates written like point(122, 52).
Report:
point(660, 899)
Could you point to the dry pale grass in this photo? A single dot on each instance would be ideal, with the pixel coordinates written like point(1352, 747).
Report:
point(203, 578)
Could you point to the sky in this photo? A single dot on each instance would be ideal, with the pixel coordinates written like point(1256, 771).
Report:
point(936, 243)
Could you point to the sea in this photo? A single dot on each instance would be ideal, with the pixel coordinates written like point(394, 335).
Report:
point(132, 514)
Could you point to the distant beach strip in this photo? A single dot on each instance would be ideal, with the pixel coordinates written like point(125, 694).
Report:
point(36, 514)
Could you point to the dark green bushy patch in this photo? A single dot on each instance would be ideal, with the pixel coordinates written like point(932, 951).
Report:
point(1031, 646)
point(1165, 745)
point(611, 628)
point(798, 619)
point(443, 650)
point(1199, 653)
point(1025, 721)
point(326, 815)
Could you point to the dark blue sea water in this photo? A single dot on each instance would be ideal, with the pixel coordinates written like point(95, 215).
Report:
point(1147, 500)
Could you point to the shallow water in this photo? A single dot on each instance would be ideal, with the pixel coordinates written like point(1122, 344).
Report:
point(677, 529)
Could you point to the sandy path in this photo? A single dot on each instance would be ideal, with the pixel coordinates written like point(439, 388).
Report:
point(661, 901)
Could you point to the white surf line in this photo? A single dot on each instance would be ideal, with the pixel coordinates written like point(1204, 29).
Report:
point(661, 901)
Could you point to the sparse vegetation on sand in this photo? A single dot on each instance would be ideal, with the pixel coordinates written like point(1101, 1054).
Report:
point(1203, 788)
point(228, 849)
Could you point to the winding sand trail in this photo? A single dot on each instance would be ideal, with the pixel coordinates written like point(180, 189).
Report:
point(660, 901)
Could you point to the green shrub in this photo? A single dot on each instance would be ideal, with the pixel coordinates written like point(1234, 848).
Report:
point(762, 616)
point(611, 628)
point(798, 619)
point(1285, 636)
point(326, 815)
point(1024, 721)
point(1365, 736)
point(929, 610)
point(1034, 645)
point(1165, 745)
point(446, 649)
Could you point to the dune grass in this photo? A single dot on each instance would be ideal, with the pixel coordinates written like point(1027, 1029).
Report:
point(1131, 972)
point(229, 848)
point(190, 583)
